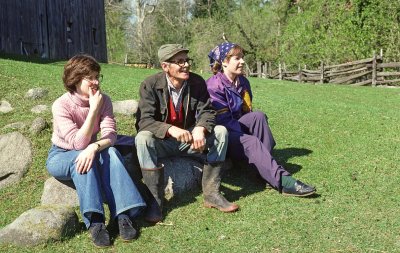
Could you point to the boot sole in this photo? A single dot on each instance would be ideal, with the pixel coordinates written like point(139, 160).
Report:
point(153, 220)
point(298, 195)
point(232, 209)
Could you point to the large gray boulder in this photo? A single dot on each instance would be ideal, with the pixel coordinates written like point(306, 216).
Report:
point(59, 192)
point(180, 175)
point(15, 158)
point(40, 225)
point(126, 107)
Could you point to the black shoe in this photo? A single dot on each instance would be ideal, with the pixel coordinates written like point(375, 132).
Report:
point(100, 236)
point(127, 230)
point(299, 189)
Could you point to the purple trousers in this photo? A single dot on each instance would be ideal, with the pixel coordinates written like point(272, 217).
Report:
point(254, 145)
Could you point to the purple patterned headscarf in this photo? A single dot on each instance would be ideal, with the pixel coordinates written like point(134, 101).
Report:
point(218, 54)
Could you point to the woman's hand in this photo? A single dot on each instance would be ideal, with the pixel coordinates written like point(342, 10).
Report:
point(95, 99)
point(85, 159)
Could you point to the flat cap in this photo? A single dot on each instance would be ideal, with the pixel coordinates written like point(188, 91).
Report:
point(167, 51)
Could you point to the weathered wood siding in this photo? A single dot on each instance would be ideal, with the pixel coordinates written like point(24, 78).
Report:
point(53, 29)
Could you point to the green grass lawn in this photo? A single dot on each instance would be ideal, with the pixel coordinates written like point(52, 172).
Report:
point(342, 139)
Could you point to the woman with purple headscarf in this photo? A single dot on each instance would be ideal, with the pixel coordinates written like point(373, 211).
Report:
point(250, 138)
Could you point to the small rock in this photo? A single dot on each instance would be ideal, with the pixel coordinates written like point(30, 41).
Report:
point(39, 109)
point(38, 125)
point(15, 125)
point(36, 93)
point(40, 225)
point(126, 107)
point(5, 106)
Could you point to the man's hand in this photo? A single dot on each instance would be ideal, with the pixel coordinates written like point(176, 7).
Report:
point(85, 159)
point(199, 140)
point(180, 134)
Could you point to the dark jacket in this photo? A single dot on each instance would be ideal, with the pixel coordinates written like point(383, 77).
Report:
point(152, 111)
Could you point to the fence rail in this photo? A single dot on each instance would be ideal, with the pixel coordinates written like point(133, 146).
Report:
point(371, 71)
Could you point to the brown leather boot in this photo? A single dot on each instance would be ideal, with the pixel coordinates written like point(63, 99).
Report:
point(154, 180)
point(211, 182)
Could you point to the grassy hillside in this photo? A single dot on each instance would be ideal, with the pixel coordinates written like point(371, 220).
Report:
point(342, 139)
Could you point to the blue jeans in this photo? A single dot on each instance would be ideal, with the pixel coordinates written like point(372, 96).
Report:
point(107, 175)
point(149, 148)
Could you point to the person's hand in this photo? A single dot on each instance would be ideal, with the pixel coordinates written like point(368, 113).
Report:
point(180, 134)
point(199, 140)
point(85, 159)
point(95, 99)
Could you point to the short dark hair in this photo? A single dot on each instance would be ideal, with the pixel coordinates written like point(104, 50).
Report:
point(77, 68)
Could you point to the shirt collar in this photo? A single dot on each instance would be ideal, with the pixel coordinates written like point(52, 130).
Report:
point(171, 87)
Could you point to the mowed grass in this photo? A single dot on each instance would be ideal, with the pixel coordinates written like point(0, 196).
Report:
point(342, 139)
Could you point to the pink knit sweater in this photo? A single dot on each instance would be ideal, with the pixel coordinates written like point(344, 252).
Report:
point(69, 113)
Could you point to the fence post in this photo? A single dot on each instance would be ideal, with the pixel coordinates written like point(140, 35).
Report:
point(265, 70)
point(322, 72)
point(259, 71)
point(280, 71)
point(300, 74)
point(374, 70)
point(270, 69)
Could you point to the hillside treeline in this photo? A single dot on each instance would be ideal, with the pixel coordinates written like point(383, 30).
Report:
point(291, 31)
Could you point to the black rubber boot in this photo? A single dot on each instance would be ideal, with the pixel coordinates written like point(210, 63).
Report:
point(211, 182)
point(154, 180)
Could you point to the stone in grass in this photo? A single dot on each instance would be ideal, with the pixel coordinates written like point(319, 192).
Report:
point(126, 107)
point(5, 106)
point(15, 126)
point(15, 157)
point(40, 225)
point(36, 93)
point(39, 109)
point(181, 174)
point(57, 192)
point(38, 125)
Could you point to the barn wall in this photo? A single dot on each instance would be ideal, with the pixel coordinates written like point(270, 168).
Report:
point(53, 29)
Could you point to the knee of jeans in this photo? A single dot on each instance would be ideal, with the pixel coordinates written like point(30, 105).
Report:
point(144, 138)
point(221, 133)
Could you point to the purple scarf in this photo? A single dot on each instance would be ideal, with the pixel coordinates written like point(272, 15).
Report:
point(218, 54)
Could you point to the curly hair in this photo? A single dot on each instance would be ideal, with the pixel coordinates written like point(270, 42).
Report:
point(77, 68)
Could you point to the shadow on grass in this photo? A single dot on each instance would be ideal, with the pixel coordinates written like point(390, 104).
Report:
point(283, 155)
point(242, 175)
point(249, 180)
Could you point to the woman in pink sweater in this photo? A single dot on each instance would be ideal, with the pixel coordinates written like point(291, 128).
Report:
point(90, 161)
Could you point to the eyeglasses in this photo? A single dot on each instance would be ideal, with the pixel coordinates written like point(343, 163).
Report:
point(91, 79)
point(181, 62)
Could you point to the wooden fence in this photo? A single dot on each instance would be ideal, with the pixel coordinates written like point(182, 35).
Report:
point(372, 71)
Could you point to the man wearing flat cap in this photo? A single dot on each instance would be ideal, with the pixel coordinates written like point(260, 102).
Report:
point(175, 118)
